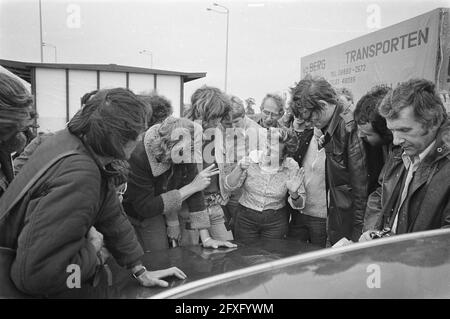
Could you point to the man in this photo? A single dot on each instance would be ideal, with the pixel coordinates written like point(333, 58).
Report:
point(372, 130)
point(346, 180)
point(243, 137)
point(415, 189)
point(272, 109)
point(309, 224)
point(345, 96)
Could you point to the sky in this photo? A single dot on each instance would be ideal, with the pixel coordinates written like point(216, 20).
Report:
point(266, 39)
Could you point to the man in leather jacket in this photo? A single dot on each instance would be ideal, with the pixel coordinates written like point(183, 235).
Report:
point(415, 191)
point(346, 172)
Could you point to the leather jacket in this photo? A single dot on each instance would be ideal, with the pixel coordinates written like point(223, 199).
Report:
point(346, 175)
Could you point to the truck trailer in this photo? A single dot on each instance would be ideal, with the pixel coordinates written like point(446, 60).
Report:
point(415, 48)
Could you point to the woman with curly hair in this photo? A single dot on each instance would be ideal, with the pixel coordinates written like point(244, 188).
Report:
point(212, 109)
point(163, 182)
point(266, 177)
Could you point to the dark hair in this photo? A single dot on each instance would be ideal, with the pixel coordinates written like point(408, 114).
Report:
point(109, 120)
point(86, 97)
point(16, 102)
point(161, 108)
point(209, 104)
point(422, 96)
point(366, 111)
point(306, 94)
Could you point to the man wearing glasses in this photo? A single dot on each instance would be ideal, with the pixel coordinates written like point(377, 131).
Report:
point(272, 109)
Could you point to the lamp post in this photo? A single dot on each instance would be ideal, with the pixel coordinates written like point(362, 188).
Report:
point(146, 52)
point(41, 44)
point(46, 44)
point(227, 12)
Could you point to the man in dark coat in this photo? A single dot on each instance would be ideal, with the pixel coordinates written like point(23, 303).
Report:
point(47, 212)
point(415, 182)
point(346, 173)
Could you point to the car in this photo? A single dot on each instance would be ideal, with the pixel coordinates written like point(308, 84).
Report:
point(415, 265)
point(197, 262)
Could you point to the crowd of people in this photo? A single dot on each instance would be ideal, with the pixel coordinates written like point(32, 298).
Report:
point(126, 177)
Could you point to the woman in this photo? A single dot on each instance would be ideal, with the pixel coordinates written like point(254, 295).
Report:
point(266, 178)
point(64, 189)
point(162, 183)
point(212, 108)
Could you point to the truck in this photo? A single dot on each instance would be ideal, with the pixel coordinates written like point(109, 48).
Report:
point(415, 48)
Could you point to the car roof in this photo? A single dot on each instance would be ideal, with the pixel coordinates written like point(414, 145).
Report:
point(404, 266)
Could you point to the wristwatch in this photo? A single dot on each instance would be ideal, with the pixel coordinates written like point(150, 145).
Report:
point(139, 272)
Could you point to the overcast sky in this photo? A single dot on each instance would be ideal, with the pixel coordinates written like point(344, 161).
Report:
point(266, 38)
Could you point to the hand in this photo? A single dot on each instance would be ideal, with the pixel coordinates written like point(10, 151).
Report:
point(212, 243)
point(95, 238)
point(203, 179)
point(104, 254)
point(294, 183)
point(244, 163)
point(321, 141)
point(366, 236)
point(174, 232)
point(152, 278)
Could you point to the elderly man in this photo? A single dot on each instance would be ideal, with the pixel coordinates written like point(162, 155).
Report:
point(272, 110)
point(316, 101)
point(415, 188)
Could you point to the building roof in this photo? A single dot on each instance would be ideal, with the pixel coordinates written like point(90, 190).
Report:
point(23, 69)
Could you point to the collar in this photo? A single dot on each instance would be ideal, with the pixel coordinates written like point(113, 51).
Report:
point(334, 123)
point(407, 161)
point(256, 157)
point(101, 161)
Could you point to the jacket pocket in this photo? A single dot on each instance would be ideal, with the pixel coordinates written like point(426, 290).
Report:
point(343, 198)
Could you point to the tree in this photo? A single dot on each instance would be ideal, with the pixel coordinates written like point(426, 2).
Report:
point(250, 102)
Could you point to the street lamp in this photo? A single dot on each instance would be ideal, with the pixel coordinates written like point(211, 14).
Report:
point(46, 44)
point(227, 12)
point(146, 52)
point(41, 44)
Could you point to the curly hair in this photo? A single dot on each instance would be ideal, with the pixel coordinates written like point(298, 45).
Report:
point(209, 104)
point(422, 96)
point(161, 107)
point(305, 96)
point(366, 111)
point(16, 102)
point(109, 120)
point(162, 147)
point(286, 136)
